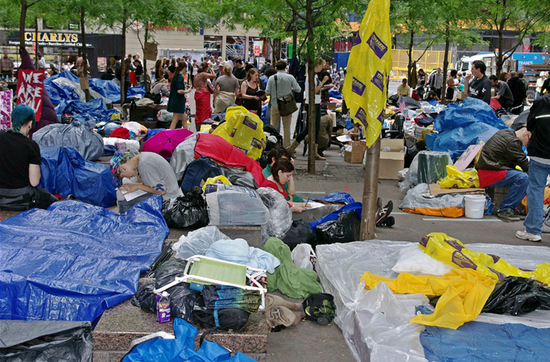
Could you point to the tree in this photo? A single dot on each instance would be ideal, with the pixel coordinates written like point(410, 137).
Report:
point(523, 16)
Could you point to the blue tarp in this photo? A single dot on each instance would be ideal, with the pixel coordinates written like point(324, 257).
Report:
point(136, 91)
point(476, 341)
point(463, 125)
point(94, 110)
point(74, 260)
point(356, 206)
point(337, 197)
point(182, 348)
point(65, 172)
point(106, 88)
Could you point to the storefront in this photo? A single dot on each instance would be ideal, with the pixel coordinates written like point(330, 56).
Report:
point(60, 48)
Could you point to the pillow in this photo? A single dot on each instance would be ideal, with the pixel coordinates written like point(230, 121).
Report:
point(414, 261)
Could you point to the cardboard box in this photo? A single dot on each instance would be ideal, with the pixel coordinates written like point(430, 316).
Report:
point(436, 190)
point(393, 161)
point(357, 151)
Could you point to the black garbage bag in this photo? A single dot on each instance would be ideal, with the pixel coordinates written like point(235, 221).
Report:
point(187, 211)
point(182, 298)
point(299, 232)
point(145, 299)
point(29, 341)
point(239, 177)
point(517, 296)
point(342, 230)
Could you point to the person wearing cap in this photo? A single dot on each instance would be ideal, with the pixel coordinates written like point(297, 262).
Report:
point(20, 165)
point(540, 82)
point(147, 172)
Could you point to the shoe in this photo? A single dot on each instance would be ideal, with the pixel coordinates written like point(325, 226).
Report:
point(317, 156)
point(508, 214)
point(292, 148)
point(519, 213)
point(384, 213)
point(524, 235)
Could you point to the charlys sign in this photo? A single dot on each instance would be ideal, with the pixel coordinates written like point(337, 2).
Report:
point(51, 39)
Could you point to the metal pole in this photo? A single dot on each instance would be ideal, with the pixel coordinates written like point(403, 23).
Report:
point(370, 192)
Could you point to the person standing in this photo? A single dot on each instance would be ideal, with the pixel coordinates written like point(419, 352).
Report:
point(437, 82)
point(518, 92)
point(177, 100)
point(239, 70)
point(480, 87)
point(203, 97)
point(226, 89)
point(540, 82)
point(279, 86)
point(252, 100)
point(6, 65)
point(538, 148)
point(20, 165)
point(452, 83)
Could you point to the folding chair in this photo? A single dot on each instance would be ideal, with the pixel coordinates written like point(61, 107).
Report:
point(202, 270)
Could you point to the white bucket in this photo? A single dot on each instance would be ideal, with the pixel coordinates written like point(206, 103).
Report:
point(474, 206)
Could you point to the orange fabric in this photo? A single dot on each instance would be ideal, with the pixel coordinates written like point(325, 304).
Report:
point(445, 211)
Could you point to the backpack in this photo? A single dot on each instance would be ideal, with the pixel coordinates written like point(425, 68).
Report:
point(546, 222)
point(200, 169)
point(320, 308)
point(155, 97)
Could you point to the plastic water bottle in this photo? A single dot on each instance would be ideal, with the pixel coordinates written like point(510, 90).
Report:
point(163, 307)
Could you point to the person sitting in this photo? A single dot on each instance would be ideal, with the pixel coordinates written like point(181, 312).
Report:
point(497, 168)
point(282, 171)
point(404, 89)
point(431, 95)
point(109, 74)
point(147, 172)
point(273, 156)
point(20, 165)
point(161, 87)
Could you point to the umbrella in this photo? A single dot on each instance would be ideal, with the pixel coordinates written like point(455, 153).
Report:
point(166, 141)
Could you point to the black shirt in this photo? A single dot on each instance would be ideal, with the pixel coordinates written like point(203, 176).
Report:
point(481, 89)
point(239, 73)
point(16, 153)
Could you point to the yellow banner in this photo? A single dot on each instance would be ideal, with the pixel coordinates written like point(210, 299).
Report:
point(369, 66)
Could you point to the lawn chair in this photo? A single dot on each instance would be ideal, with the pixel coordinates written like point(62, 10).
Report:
point(202, 270)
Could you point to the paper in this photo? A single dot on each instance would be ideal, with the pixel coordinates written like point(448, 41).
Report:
point(129, 196)
point(314, 205)
point(344, 138)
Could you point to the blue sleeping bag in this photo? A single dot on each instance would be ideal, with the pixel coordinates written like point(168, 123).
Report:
point(65, 172)
point(74, 260)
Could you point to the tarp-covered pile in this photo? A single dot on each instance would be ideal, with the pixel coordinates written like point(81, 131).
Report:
point(73, 260)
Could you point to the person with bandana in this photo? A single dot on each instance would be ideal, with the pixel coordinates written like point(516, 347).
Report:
point(20, 165)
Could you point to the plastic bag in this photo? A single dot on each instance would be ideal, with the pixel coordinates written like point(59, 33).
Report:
point(517, 296)
point(221, 179)
point(197, 242)
point(419, 201)
point(239, 177)
point(183, 155)
point(182, 298)
point(235, 205)
point(414, 261)
point(471, 111)
point(280, 216)
point(344, 229)
point(432, 166)
point(452, 252)
point(299, 233)
point(145, 299)
point(244, 130)
point(459, 179)
point(303, 256)
point(187, 211)
point(77, 135)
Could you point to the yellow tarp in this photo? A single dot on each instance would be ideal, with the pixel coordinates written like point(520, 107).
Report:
point(244, 130)
point(368, 71)
point(463, 292)
point(459, 179)
point(452, 252)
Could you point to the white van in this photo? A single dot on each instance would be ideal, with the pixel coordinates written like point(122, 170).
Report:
point(490, 60)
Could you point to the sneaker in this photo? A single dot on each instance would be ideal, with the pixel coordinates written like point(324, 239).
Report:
point(519, 213)
point(524, 235)
point(508, 214)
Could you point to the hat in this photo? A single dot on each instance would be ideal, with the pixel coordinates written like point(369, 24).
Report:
point(115, 162)
point(542, 74)
point(21, 115)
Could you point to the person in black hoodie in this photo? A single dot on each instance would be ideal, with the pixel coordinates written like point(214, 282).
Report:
point(538, 123)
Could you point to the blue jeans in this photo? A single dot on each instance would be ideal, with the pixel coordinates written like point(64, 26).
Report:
point(538, 172)
point(517, 181)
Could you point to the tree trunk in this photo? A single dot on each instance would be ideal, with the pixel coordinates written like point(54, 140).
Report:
point(36, 42)
point(22, 20)
point(445, 61)
point(295, 34)
point(145, 77)
point(370, 192)
point(410, 63)
point(499, 53)
point(311, 62)
point(123, 56)
point(84, 75)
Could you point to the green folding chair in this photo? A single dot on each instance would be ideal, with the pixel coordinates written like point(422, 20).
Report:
point(202, 270)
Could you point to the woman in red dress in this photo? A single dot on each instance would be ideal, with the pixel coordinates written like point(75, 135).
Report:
point(202, 94)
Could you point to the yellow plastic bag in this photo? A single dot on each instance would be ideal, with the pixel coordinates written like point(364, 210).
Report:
point(452, 252)
point(216, 180)
point(459, 179)
point(463, 294)
point(244, 130)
